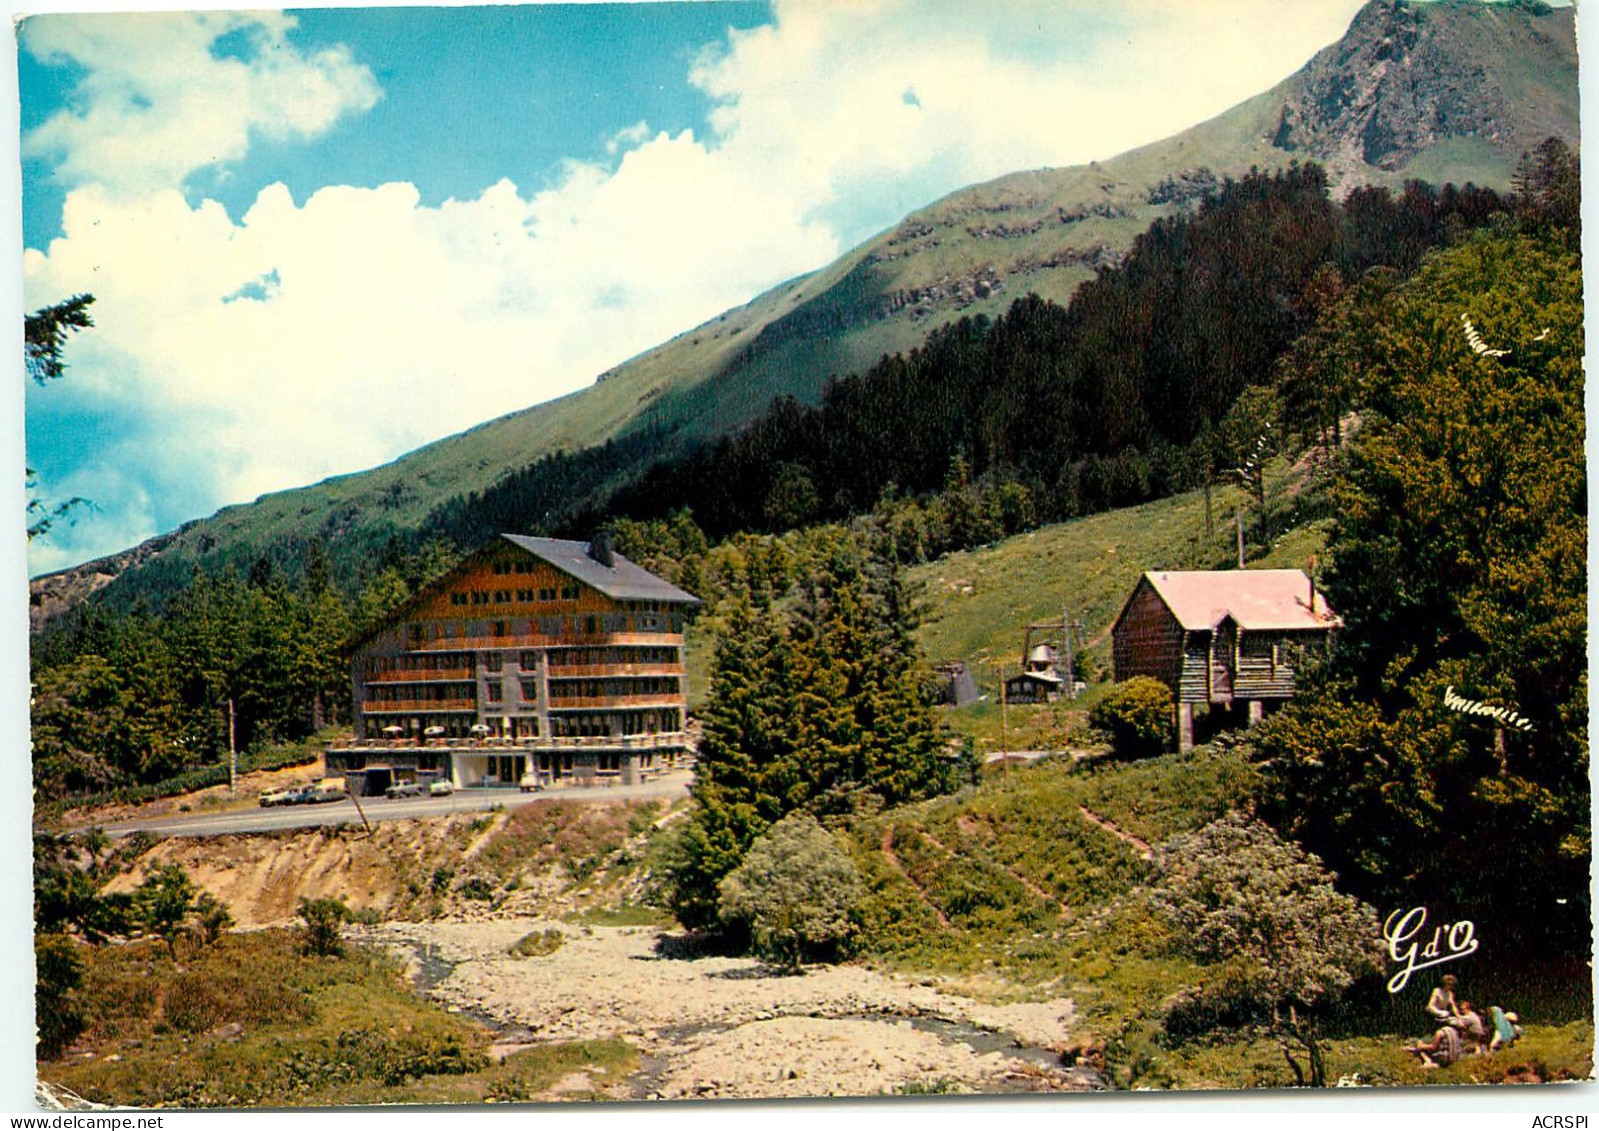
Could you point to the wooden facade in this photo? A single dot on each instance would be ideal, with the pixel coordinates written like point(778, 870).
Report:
point(1220, 638)
point(534, 655)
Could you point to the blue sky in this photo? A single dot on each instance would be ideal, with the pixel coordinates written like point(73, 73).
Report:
point(300, 227)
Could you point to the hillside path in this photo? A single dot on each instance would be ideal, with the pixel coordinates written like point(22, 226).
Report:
point(1138, 843)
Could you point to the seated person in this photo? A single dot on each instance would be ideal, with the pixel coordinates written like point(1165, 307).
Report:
point(1443, 1050)
point(1506, 1029)
point(1472, 1029)
point(1441, 1005)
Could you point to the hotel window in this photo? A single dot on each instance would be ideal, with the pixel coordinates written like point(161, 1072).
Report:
point(499, 628)
point(492, 661)
point(495, 691)
point(530, 690)
point(530, 661)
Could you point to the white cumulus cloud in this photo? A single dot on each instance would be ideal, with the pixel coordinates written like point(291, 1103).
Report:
point(157, 100)
point(316, 336)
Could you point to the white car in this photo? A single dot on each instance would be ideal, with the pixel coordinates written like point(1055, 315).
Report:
point(531, 782)
point(441, 788)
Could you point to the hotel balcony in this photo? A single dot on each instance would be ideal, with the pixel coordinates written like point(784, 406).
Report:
point(419, 706)
point(494, 744)
point(442, 675)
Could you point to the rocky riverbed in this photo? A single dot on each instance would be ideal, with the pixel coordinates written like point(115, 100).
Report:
point(720, 1027)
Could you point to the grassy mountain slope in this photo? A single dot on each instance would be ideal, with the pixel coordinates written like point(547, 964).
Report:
point(977, 604)
point(1454, 90)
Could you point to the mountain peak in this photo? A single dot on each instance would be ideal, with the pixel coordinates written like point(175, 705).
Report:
point(1409, 77)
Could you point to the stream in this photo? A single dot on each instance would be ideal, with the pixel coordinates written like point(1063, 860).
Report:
point(432, 969)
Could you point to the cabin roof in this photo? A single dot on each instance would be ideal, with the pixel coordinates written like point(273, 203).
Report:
point(622, 579)
point(1256, 599)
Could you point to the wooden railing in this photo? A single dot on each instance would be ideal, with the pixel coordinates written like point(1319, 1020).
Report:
point(575, 640)
point(417, 706)
point(582, 671)
point(442, 675)
point(490, 744)
point(573, 702)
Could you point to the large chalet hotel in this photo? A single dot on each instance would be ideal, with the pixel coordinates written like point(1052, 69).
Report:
point(534, 656)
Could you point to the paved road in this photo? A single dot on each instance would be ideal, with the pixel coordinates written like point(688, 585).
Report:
point(673, 784)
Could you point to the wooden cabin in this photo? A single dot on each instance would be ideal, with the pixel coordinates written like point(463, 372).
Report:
point(558, 658)
point(1226, 638)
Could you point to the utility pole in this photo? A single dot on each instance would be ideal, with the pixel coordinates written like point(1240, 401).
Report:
point(1066, 652)
point(1004, 722)
point(1067, 627)
point(1240, 521)
point(233, 754)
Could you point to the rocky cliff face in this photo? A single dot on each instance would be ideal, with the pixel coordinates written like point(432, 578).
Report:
point(1409, 77)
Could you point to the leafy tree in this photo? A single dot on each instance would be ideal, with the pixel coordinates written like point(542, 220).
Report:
point(1136, 714)
point(795, 890)
point(58, 973)
point(44, 340)
point(163, 901)
point(1459, 561)
point(45, 333)
point(1548, 191)
point(211, 918)
point(66, 889)
point(323, 918)
point(1239, 894)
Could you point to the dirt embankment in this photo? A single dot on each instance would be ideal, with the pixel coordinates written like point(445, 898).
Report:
point(263, 877)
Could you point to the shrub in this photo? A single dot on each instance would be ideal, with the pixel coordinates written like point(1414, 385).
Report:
point(538, 944)
point(1136, 716)
point(197, 1002)
point(323, 917)
point(795, 890)
point(163, 901)
point(211, 918)
point(1284, 939)
point(60, 973)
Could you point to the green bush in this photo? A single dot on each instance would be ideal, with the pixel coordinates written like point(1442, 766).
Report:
point(60, 973)
point(197, 1002)
point(476, 887)
point(795, 890)
point(1136, 716)
point(538, 944)
point(323, 918)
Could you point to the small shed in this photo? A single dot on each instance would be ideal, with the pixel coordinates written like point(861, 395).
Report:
point(1220, 637)
point(1039, 681)
point(957, 686)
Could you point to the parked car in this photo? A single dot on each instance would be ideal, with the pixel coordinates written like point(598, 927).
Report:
point(329, 789)
point(531, 783)
point(291, 796)
point(406, 789)
point(441, 788)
